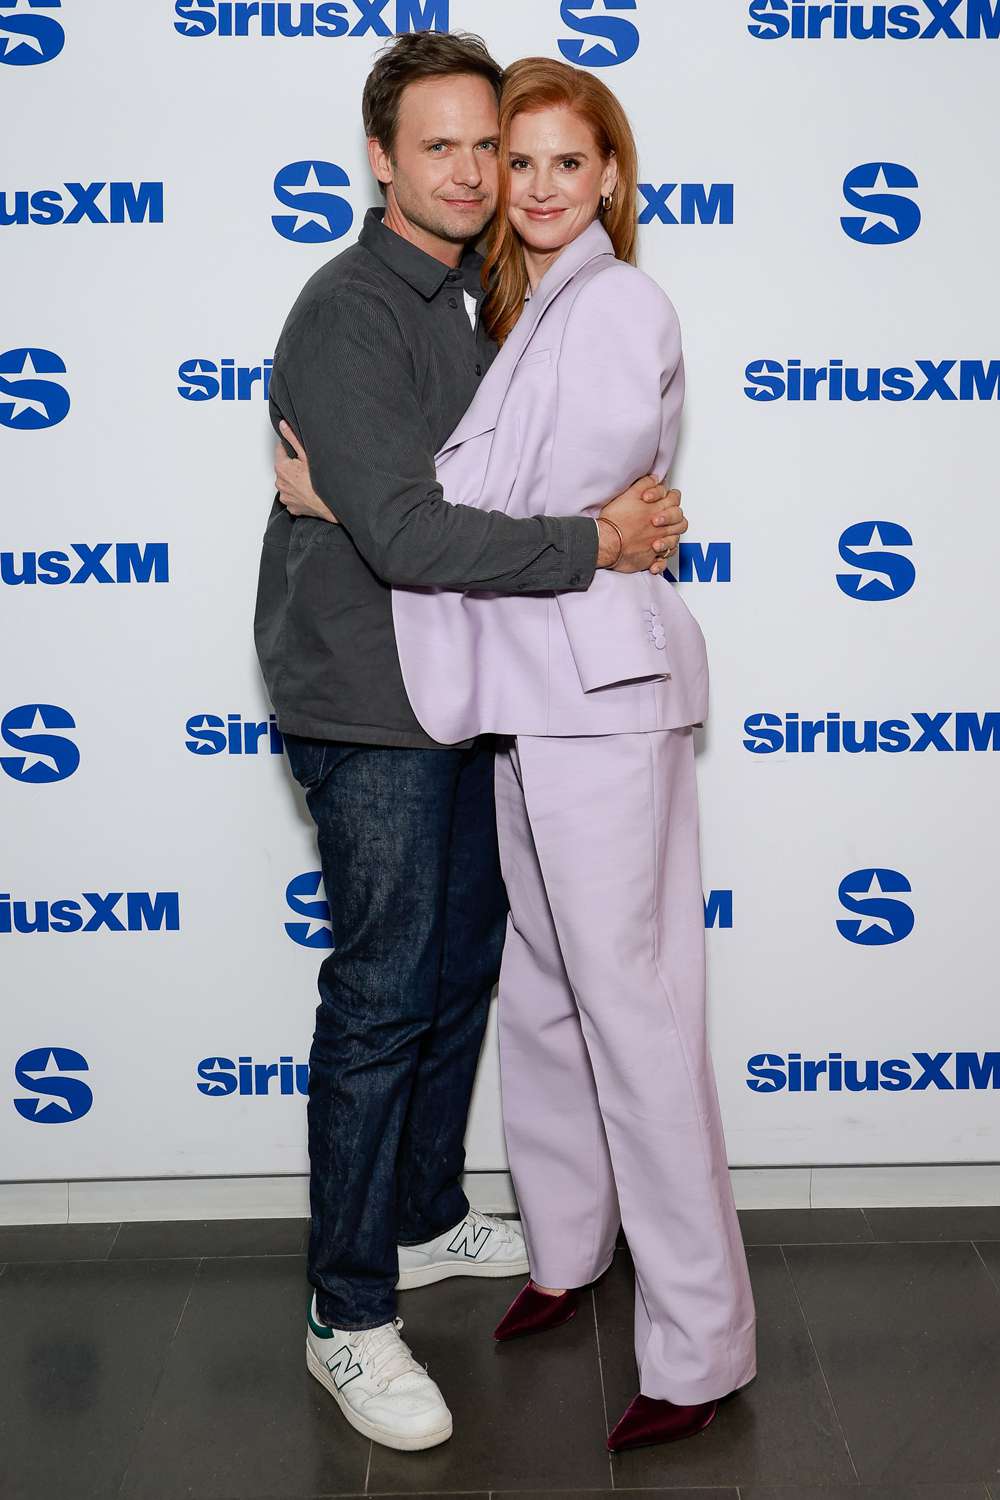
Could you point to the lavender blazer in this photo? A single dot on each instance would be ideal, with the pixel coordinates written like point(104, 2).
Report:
point(584, 398)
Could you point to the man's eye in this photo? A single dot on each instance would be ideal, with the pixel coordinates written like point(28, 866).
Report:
point(490, 146)
point(517, 163)
point(437, 146)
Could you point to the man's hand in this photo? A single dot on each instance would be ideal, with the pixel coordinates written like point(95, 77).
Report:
point(651, 523)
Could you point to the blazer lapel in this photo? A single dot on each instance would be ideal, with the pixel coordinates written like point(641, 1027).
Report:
point(482, 415)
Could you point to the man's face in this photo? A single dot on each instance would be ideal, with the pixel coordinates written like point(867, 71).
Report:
point(442, 172)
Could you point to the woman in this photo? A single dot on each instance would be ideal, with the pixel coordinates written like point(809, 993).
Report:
point(610, 1105)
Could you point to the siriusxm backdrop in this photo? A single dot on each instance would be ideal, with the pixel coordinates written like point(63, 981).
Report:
point(817, 199)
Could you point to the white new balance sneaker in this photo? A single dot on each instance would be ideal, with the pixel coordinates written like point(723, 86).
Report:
point(479, 1246)
point(378, 1385)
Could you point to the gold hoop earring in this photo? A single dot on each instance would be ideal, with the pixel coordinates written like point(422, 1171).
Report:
point(607, 202)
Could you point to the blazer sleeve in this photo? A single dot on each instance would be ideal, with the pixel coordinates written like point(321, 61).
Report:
point(345, 383)
point(621, 390)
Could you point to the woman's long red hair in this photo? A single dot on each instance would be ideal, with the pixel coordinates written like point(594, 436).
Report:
point(537, 83)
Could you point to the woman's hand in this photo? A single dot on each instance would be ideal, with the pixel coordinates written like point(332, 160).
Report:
point(293, 481)
point(675, 523)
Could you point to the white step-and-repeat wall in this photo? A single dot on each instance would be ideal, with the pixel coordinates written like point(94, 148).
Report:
point(818, 198)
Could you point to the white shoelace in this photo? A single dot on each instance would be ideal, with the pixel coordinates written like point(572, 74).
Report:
point(501, 1227)
point(384, 1353)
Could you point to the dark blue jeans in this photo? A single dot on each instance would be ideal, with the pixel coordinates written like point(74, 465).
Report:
point(407, 842)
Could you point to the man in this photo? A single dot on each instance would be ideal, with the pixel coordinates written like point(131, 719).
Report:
point(380, 357)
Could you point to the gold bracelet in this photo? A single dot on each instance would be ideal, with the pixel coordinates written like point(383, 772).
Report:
point(621, 540)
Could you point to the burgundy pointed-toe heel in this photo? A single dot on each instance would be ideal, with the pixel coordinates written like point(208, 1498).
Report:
point(647, 1422)
point(534, 1312)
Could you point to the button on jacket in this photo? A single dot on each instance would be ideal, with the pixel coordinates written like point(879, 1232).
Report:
point(374, 368)
point(584, 398)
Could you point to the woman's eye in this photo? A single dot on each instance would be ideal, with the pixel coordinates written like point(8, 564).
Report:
point(571, 163)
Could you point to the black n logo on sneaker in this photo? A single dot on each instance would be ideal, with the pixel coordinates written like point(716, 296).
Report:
point(343, 1367)
point(469, 1241)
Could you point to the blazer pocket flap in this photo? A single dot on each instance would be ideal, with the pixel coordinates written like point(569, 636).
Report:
point(535, 357)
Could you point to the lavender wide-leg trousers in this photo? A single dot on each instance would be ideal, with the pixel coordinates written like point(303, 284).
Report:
point(609, 1098)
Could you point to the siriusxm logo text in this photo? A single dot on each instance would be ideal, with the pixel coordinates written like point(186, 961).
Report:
point(694, 203)
point(77, 203)
point(615, 39)
point(773, 1073)
point(57, 1098)
point(297, 18)
point(918, 732)
point(225, 380)
point(144, 911)
point(973, 380)
point(702, 562)
point(844, 20)
point(29, 33)
point(210, 734)
point(221, 1076)
point(106, 562)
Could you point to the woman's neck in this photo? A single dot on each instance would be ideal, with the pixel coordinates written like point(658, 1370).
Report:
point(537, 262)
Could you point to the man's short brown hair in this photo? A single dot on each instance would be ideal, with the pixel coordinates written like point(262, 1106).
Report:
point(412, 57)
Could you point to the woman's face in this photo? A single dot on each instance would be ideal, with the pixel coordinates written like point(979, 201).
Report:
point(557, 178)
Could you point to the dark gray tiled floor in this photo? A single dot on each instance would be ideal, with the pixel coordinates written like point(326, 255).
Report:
point(934, 1223)
point(47, 1242)
point(781, 1429)
point(909, 1339)
point(528, 1415)
point(804, 1226)
point(236, 1414)
point(154, 1361)
point(868, 1492)
point(211, 1237)
point(83, 1350)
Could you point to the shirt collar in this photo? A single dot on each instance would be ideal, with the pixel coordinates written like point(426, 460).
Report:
point(419, 270)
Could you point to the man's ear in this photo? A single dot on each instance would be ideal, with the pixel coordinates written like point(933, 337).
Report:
point(379, 160)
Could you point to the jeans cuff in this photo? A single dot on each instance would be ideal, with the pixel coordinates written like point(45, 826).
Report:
point(426, 1238)
point(350, 1326)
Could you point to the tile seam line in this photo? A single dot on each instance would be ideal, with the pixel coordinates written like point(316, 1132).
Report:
point(97, 1260)
point(820, 1367)
point(140, 1260)
point(837, 1244)
point(993, 1281)
point(600, 1376)
point(159, 1381)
